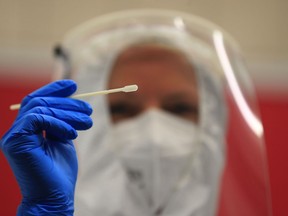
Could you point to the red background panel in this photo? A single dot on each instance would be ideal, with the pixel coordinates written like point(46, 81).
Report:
point(12, 90)
point(274, 113)
point(274, 110)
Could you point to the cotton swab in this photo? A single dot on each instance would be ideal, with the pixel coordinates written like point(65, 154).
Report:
point(128, 88)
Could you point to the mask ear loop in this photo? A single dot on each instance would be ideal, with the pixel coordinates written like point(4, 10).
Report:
point(63, 63)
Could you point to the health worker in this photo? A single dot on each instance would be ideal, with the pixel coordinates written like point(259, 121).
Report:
point(188, 142)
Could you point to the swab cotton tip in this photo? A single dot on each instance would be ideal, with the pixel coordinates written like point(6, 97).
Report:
point(14, 107)
point(128, 88)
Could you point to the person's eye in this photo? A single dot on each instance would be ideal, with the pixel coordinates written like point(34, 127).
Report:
point(121, 111)
point(185, 110)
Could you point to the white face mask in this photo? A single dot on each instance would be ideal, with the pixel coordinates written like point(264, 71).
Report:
point(156, 150)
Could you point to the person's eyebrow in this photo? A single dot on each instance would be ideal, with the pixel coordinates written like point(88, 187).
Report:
point(182, 95)
point(123, 97)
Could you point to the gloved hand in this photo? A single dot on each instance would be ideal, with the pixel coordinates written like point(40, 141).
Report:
point(45, 163)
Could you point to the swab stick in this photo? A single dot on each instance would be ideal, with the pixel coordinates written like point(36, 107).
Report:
point(128, 88)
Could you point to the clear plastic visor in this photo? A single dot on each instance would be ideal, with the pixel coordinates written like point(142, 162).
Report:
point(227, 108)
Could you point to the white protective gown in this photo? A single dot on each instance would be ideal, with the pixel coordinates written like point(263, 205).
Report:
point(104, 186)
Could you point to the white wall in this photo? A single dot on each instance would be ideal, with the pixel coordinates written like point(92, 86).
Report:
point(30, 28)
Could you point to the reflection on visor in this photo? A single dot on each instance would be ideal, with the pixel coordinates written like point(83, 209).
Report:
point(247, 114)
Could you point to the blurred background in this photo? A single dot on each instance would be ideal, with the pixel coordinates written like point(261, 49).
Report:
point(29, 30)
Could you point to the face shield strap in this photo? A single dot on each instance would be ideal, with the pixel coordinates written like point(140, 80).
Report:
point(63, 61)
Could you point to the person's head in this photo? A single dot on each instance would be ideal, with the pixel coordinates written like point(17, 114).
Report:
point(166, 81)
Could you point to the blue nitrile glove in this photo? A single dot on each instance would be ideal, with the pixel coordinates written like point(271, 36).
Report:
point(45, 164)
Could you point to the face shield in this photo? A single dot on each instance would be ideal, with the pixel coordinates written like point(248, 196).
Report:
point(189, 141)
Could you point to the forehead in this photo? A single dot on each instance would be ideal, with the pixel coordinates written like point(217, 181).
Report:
point(149, 62)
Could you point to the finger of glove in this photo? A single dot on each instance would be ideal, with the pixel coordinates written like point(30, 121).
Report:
point(59, 88)
point(58, 103)
point(78, 120)
point(21, 136)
